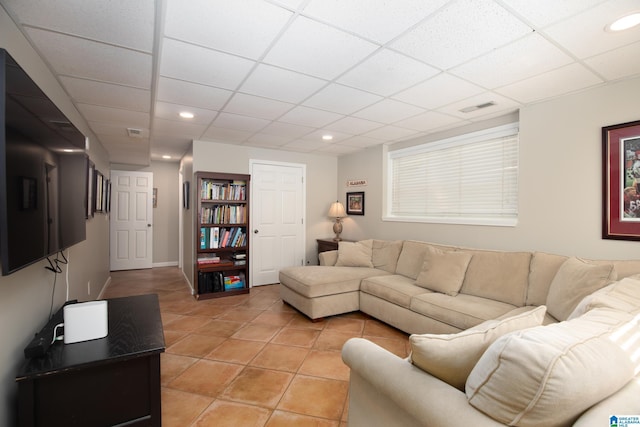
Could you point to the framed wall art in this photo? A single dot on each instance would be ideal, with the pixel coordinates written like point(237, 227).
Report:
point(355, 203)
point(621, 181)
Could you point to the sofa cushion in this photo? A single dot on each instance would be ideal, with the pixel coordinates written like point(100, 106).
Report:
point(498, 275)
point(623, 295)
point(462, 311)
point(451, 357)
point(548, 375)
point(395, 288)
point(542, 270)
point(385, 254)
point(412, 256)
point(355, 254)
point(315, 280)
point(575, 280)
point(443, 271)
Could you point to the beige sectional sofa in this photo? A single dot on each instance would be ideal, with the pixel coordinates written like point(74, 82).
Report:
point(558, 314)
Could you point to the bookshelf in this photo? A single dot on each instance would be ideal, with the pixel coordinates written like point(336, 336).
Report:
point(222, 239)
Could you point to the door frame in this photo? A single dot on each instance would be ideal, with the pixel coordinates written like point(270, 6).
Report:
point(303, 240)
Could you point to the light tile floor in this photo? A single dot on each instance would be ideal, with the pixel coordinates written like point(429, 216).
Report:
point(250, 360)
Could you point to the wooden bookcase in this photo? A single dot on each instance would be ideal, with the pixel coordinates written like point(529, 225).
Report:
point(222, 234)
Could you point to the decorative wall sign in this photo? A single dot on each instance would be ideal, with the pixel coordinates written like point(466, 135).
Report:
point(621, 181)
point(356, 183)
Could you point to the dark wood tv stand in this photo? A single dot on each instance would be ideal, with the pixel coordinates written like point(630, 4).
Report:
point(104, 382)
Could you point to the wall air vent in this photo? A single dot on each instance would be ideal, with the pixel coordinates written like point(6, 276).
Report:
point(134, 133)
point(477, 107)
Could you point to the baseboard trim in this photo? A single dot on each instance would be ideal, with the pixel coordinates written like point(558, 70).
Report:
point(165, 264)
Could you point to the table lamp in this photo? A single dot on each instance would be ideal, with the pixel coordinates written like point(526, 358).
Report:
point(337, 211)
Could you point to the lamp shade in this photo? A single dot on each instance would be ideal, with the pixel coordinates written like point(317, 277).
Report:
point(337, 210)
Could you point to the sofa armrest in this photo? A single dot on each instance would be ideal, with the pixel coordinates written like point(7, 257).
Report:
point(417, 397)
point(328, 257)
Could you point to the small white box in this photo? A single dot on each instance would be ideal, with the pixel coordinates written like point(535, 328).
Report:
point(85, 321)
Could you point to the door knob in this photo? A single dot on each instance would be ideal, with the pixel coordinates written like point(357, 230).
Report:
point(255, 231)
point(148, 225)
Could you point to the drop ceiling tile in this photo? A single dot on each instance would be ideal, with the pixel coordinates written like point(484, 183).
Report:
point(96, 113)
point(287, 129)
point(502, 105)
point(107, 94)
point(196, 64)
point(387, 72)
point(341, 99)
point(304, 145)
point(454, 35)
point(618, 63)
point(584, 34)
point(306, 116)
point(219, 134)
point(428, 121)
point(119, 22)
point(336, 149)
point(100, 128)
point(441, 90)
point(544, 12)
point(318, 134)
point(266, 140)
point(353, 125)
point(192, 94)
point(283, 85)
point(362, 141)
point(236, 121)
point(388, 111)
point(76, 57)
point(316, 49)
point(391, 133)
point(291, 4)
point(377, 20)
point(168, 111)
point(520, 60)
point(256, 106)
point(244, 28)
point(179, 129)
point(553, 83)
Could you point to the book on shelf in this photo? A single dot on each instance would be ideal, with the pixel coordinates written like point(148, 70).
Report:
point(233, 282)
point(208, 259)
point(211, 190)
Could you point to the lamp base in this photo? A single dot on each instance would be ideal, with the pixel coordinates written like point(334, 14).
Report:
point(337, 228)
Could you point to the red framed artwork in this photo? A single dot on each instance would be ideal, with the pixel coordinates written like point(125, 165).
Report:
point(621, 181)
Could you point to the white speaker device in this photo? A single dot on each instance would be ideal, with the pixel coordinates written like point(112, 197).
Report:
point(85, 321)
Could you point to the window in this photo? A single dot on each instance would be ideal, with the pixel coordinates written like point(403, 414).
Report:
point(470, 179)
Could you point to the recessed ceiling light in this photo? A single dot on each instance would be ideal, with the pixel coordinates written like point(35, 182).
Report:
point(186, 115)
point(166, 156)
point(327, 137)
point(624, 23)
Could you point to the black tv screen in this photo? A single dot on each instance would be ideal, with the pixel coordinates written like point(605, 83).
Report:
point(43, 173)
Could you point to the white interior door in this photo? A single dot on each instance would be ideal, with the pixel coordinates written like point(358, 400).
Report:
point(277, 219)
point(131, 230)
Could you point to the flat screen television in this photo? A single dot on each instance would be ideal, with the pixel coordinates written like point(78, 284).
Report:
point(43, 173)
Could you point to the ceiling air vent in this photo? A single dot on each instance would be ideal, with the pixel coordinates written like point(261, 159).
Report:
point(477, 107)
point(134, 133)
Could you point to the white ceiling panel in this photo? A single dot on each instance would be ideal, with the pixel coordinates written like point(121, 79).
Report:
point(318, 50)
point(226, 25)
point(304, 146)
point(256, 106)
point(172, 127)
point(341, 99)
point(267, 140)
point(196, 64)
point(73, 56)
point(226, 135)
point(287, 129)
point(377, 20)
point(169, 111)
point(336, 149)
point(96, 113)
point(388, 111)
point(387, 72)
point(362, 141)
point(391, 133)
point(107, 94)
point(318, 134)
point(284, 85)
point(102, 128)
point(353, 125)
point(502, 105)
point(553, 83)
point(427, 121)
point(121, 22)
point(306, 116)
point(192, 94)
point(545, 12)
point(520, 60)
point(239, 122)
point(618, 63)
point(441, 90)
point(453, 35)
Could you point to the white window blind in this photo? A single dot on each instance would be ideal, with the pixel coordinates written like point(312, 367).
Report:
point(471, 179)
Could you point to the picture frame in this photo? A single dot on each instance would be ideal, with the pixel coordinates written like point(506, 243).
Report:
point(185, 195)
point(621, 181)
point(91, 167)
point(355, 203)
point(155, 198)
point(99, 197)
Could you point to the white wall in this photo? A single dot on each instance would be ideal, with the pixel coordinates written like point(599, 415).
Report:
point(560, 188)
point(27, 295)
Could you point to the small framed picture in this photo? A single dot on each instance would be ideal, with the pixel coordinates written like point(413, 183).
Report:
point(355, 203)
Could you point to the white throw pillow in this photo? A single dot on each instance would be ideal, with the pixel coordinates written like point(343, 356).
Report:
point(451, 357)
point(548, 375)
point(443, 271)
point(575, 280)
point(355, 254)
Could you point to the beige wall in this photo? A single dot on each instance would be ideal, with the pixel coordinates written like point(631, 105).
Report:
point(560, 185)
point(26, 296)
point(165, 215)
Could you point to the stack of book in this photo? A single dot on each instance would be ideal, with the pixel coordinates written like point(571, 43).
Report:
point(239, 258)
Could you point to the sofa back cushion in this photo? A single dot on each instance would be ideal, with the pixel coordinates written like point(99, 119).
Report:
point(497, 275)
point(412, 257)
point(549, 375)
point(385, 254)
point(443, 271)
point(355, 254)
